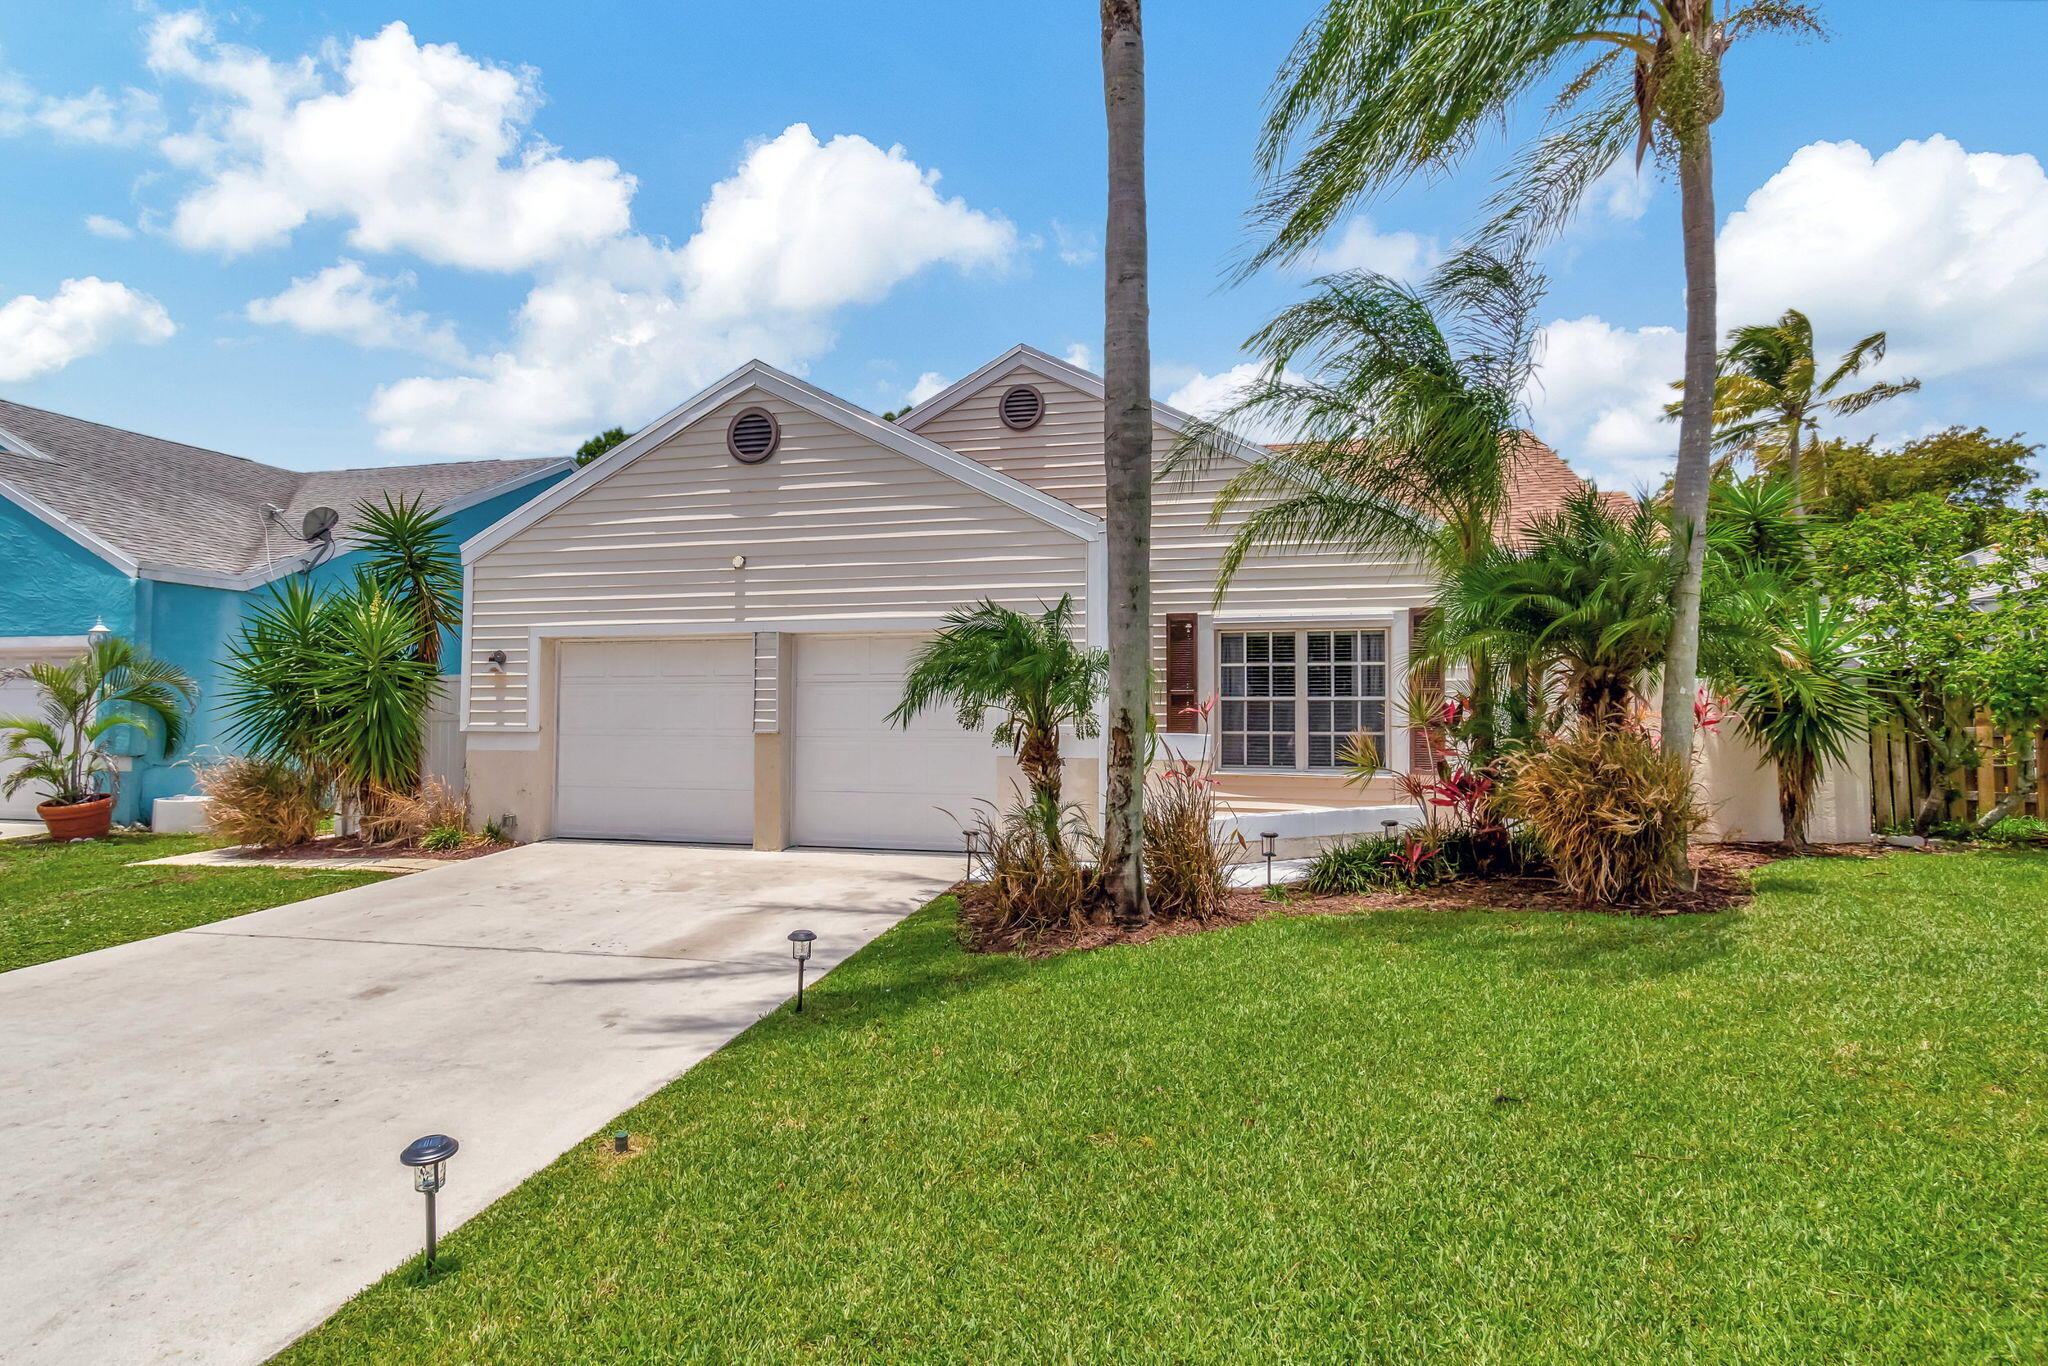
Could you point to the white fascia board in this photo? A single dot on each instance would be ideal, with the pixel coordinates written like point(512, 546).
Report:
point(1051, 511)
point(22, 446)
point(1052, 367)
point(63, 525)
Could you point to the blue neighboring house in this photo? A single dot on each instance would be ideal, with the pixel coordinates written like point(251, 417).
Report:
point(164, 543)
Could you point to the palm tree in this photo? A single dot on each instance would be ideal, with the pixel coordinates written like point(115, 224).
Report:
point(1377, 91)
point(114, 683)
point(1127, 460)
point(1804, 701)
point(1406, 401)
point(1766, 394)
point(1585, 598)
point(407, 556)
point(1027, 669)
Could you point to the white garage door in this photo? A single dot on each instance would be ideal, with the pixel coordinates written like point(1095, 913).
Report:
point(18, 698)
point(656, 740)
point(858, 782)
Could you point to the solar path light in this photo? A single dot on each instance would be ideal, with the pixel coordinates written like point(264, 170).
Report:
point(800, 949)
point(428, 1158)
point(973, 837)
point(1271, 840)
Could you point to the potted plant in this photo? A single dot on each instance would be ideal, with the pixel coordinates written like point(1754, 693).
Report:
point(112, 684)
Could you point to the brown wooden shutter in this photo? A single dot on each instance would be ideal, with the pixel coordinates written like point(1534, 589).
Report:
point(1425, 695)
point(1181, 674)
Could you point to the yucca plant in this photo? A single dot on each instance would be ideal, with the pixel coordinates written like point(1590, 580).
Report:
point(1805, 701)
point(113, 683)
point(1028, 671)
point(334, 681)
point(407, 555)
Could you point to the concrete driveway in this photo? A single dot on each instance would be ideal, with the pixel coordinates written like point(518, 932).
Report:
point(199, 1133)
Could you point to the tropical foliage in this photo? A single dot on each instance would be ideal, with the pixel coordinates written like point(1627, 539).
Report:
point(331, 681)
point(1611, 810)
point(85, 700)
point(1805, 700)
point(408, 558)
point(1770, 395)
point(1964, 465)
point(599, 444)
point(1025, 669)
point(1378, 91)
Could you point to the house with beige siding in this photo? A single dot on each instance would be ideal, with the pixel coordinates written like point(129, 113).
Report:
point(697, 637)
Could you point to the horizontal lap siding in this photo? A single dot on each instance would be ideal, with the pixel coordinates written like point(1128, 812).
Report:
point(833, 528)
point(1063, 456)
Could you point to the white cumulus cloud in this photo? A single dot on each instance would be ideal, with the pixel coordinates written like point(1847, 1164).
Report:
point(1598, 397)
point(1362, 246)
point(99, 225)
point(1945, 249)
point(1080, 355)
point(1210, 396)
point(801, 229)
point(84, 316)
point(928, 383)
point(416, 147)
point(347, 301)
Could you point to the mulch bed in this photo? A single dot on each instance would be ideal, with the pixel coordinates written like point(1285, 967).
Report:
point(1722, 873)
point(349, 846)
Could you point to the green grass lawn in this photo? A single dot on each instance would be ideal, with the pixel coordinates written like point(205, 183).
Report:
point(1811, 1131)
point(61, 899)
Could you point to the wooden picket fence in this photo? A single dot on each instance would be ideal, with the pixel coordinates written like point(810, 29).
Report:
point(1898, 780)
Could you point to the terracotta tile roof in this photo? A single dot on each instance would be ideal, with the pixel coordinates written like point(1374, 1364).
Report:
point(1539, 482)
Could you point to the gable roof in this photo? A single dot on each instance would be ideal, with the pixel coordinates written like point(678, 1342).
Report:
point(760, 375)
point(152, 505)
point(1052, 367)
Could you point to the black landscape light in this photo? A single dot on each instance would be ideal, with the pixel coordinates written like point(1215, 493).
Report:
point(1390, 827)
point(428, 1158)
point(622, 1143)
point(973, 837)
point(800, 949)
point(1271, 840)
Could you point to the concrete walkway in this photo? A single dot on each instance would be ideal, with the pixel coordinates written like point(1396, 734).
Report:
point(199, 1133)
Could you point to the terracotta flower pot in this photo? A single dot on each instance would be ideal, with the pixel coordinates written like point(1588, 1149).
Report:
point(79, 820)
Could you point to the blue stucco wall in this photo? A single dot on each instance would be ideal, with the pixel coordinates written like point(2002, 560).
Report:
point(50, 585)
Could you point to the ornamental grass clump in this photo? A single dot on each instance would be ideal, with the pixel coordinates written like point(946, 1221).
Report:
point(1612, 811)
point(267, 802)
point(1037, 871)
point(1186, 861)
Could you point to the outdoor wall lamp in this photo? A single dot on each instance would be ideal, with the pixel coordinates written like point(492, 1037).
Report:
point(1271, 840)
point(800, 949)
point(99, 631)
point(428, 1158)
point(496, 659)
point(973, 838)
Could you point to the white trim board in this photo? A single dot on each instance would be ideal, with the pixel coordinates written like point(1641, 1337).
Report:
point(63, 525)
point(1043, 507)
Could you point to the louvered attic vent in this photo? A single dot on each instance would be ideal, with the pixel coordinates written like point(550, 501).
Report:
point(753, 436)
point(1022, 407)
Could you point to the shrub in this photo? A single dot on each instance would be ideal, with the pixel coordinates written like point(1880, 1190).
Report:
point(1367, 864)
point(406, 818)
point(1186, 863)
point(2018, 830)
point(270, 803)
point(495, 833)
point(1038, 868)
point(444, 837)
point(1611, 810)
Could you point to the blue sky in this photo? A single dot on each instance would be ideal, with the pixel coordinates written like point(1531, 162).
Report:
point(300, 234)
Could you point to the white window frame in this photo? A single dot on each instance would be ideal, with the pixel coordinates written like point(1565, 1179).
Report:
point(1301, 630)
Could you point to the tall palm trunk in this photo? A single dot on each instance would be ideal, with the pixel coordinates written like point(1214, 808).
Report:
point(1127, 458)
point(1695, 438)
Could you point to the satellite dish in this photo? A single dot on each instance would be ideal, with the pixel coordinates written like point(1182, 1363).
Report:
point(319, 524)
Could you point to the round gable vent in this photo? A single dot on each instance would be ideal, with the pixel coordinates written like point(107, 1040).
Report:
point(753, 436)
point(1022, 407)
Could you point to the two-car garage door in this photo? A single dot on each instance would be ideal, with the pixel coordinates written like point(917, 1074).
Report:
point(656, 742)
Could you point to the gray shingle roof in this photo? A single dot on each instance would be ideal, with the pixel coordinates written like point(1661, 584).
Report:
point(162, 502)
